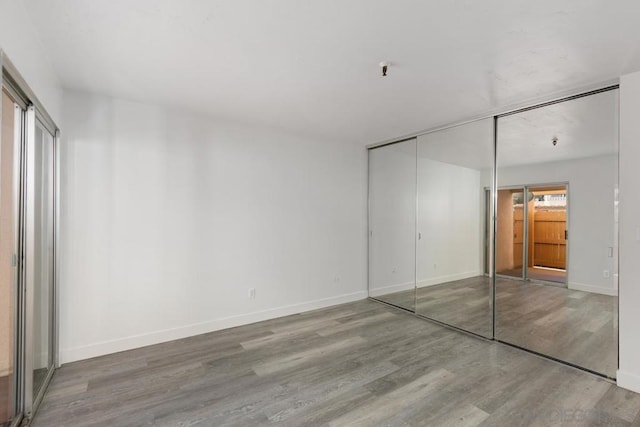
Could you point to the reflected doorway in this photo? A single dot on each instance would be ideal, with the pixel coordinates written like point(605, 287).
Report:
point(532, 231)
point(510, 232)
point(548, 232)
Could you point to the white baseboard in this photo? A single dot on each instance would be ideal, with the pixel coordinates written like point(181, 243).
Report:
point(448, 278)
point(391, 289)
point(629, 381)
point(593, 289)
point(41, 360)
point(113, 346)
point(423, 283)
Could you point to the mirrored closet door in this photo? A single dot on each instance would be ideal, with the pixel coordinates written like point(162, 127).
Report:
point(530, 195)
point(40, 256)
point(556, 232)
point(392, 223)
point(455, 170)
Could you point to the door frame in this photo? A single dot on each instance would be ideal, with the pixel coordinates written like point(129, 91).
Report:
point(564, 184)
point(25, 404)
point(525, 233)
point(32, 401)
point(16, 397)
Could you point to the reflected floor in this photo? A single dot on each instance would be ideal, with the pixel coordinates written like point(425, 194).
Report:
point(39, 376)
point(537, 273)
point(574, 326)
point(360, 363)
point(464, 303)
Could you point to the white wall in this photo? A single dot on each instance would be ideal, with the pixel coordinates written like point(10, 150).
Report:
point(592, 186)
point(168, 219)
point(450, 213)
point(19, 41)
point(450, 221)
point(392, 204)
point(450, 202)
point(629, 217)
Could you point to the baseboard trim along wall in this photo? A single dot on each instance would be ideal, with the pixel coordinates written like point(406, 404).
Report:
point(593, 289)
point(460, 276)
point(391, 289)
point(448, 278)
point(157, 337)
point(628, 381)
point(423, 283)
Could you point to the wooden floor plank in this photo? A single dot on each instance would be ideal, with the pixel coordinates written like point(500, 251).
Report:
point(361, 363)
point(574, 326)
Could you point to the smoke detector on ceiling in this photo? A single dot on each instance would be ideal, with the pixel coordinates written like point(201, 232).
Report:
point(384, 65)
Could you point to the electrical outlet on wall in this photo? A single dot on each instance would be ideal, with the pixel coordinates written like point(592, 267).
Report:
point(605, 274)
point(252, 293)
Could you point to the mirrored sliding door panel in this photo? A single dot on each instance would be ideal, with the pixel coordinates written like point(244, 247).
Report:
point(42, 261)
point(556, 232)
point(454, 178)
point(392, 223)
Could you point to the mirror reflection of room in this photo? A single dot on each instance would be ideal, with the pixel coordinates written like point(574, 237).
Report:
point(556, 231)
point(547, 237)
point(451, 284)
point(43, 258)
point(431, 242)
point(392, 222)
point(542, 237)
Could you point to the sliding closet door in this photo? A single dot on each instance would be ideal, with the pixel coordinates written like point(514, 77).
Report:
point(392, 223)
point(563, 158)
point(455, 171)
point(40, 260)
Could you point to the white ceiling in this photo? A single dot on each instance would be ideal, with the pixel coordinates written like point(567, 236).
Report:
point(585, 127)
point(469, 145)
point(312, 66)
